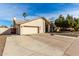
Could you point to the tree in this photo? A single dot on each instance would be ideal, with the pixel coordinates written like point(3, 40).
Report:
point(76, 25)
point(65, 24)
point(24, 15)
point(59, 22)
point(70, 21)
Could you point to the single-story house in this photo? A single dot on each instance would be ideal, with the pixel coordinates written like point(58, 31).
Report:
point(35, 26)
point(4, 30)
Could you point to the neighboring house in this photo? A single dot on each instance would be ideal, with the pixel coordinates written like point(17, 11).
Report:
point(4, 30)
point(39, 25)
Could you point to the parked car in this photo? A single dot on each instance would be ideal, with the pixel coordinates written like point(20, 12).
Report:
point(70, 29)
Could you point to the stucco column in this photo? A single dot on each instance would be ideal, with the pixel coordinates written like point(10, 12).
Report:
point(44, 26)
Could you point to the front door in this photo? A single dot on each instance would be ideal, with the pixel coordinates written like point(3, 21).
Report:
point(46, 28)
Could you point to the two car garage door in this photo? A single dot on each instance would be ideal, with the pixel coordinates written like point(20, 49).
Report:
point(29, 30)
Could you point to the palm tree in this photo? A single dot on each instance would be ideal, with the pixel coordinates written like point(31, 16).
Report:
point(24, 15)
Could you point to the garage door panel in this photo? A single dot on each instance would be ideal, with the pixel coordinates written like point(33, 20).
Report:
point(29, 30)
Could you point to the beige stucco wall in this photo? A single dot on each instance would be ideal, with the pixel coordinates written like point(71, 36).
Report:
point(5, 31)
point(40, 22)
point(28, 30)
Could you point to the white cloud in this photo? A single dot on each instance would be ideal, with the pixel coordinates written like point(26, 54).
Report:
point(74, 13)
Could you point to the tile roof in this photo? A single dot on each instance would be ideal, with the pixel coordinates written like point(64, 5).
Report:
point(21, 21)
point(24, 21)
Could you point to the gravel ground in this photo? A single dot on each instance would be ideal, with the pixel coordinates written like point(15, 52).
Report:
point(71, 34)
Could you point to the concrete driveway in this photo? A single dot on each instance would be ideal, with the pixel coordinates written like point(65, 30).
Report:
point(40, 45)
point(24, 45)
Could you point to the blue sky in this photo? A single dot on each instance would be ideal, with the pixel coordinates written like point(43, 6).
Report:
point(52, 10)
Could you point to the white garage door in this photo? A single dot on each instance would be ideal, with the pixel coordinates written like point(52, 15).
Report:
point(29, 30)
